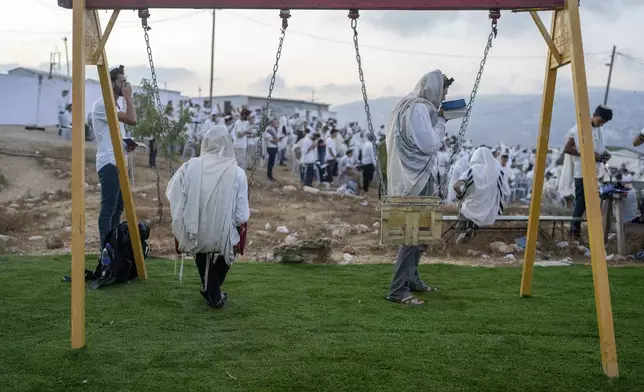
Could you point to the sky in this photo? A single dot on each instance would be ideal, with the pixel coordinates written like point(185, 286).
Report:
point(318, 58)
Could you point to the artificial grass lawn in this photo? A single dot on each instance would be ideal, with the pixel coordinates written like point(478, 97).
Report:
point(317, 328)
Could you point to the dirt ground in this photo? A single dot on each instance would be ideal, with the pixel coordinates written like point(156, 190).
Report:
point(35, 209)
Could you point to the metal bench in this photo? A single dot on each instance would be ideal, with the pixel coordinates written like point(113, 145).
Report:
point(452, 221)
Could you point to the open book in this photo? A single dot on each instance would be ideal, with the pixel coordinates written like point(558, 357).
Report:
point(454, 109)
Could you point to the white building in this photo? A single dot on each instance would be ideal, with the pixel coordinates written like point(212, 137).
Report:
point(279, 106)
point(634, 160)
point(29, 96)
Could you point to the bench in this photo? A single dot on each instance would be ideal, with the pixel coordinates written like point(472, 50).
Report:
point(453, 219)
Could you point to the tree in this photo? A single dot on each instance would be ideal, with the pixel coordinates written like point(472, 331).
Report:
point(165, 128)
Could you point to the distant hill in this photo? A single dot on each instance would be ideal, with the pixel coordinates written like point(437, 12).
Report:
point(514, 119)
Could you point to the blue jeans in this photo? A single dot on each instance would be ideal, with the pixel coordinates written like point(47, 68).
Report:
point(580, 206)
point(111, 200)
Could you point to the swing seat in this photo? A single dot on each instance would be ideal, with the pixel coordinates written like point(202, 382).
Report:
point(410, 220)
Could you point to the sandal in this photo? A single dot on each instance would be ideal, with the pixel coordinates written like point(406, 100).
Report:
point(411, 300)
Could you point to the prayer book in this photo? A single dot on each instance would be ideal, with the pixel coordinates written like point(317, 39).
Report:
point(454, 109)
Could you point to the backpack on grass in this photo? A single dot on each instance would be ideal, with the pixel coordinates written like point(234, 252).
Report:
point(116, 260)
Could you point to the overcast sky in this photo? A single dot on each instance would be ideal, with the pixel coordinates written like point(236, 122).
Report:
point(398, 47)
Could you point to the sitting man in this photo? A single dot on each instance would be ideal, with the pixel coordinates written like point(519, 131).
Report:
point(483, 189)
point(209, 204)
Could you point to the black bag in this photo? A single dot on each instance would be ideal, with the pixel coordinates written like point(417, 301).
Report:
point(120, 266)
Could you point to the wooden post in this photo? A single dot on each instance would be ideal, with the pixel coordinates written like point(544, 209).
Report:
point(78, 176)
point(540, 165)
point(593, 214)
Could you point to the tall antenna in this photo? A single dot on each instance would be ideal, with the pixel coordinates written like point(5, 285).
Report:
point(66, 55)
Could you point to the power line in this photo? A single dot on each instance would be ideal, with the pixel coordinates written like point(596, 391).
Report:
point(394, 50)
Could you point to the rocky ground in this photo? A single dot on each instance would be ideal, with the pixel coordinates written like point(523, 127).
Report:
point(288, 224)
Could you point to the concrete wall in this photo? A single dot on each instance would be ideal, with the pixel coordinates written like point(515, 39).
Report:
point(28, 99)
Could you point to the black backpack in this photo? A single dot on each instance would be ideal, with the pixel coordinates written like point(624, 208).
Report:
point(117, 248)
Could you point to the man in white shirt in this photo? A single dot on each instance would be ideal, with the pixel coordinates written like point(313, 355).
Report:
point(308, 147)
point(347, 167)
point(241, 130)
point(61, 105)
point(251, 142)
point(272, 139)
point(602, 115)
point(66, 123)
point(111, 198)
point(368, 163)
point(331, 156)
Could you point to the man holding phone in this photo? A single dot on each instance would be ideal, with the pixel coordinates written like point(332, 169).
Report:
point(111, 198)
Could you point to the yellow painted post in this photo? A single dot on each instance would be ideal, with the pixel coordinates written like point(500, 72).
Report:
point(78, 176)
point(539, 170)
point(117, 143)
point(593, 210)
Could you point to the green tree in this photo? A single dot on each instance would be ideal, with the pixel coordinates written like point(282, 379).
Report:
point(166, 129)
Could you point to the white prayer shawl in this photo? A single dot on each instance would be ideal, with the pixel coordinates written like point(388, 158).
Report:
point(202, 198)
point(409, 170)
point(485, 189)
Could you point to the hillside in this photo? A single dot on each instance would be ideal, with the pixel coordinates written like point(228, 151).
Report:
point(514, 119)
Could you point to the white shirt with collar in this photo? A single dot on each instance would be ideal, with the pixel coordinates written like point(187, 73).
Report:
point(242, 127)
point(104, 148)
point(331, 151)
point(308, 156)
point(368, 157)
point(598, 144)
point(271, 133)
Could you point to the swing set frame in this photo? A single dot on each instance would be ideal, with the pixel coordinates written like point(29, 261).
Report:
point(565, 46)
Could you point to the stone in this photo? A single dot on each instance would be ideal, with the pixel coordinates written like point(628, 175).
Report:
point(282, 230)
point(555, 263)
point(54, 243)
point(612, 236)
point(6, 240)
point(290, 240)
point(376, 225)
point(11, 211)
point(501, 247)
point(337, 229)
point(155, 199)
point(42, 216)
point(44, 202)
point(473, 253)
point(29, 205)
point(307, 251)
point(254, 211)
point(277, 190)
point(12, 250)
point(310, 190)
point(346, 259)
point(562, 244)
point(262, 233)
point(484, 256)
point(36, 238)
point(14, 205)
point(610, 257)
point(364, 203)
point(267, 226)
point(68, 229)
point(350, 250)
point(361, 229)
point(510, 257)
point(144, 195)
point(619, 258)
point(288, 189)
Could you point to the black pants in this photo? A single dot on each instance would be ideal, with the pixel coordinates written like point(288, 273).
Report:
point(580, 206)
point(216, 275)
point(111, 200)
point(309, 173)
point(153, 153)
point(272, 153)
point(367, 176)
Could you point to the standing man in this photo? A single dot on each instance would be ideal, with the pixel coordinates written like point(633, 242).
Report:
point(61, 105)
point(602, 115)
point(368, 163)
point(331, 156)
point(241, 130)
point(111, 198)
point(272, 143)
point(415, 135)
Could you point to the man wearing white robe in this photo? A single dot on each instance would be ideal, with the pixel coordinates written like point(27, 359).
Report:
point(416, 132)
point(240, 132)
point(209, 205)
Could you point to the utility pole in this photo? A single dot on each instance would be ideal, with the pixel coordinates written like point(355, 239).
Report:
point(610, 73)
point(66, 55)
point(212, 59)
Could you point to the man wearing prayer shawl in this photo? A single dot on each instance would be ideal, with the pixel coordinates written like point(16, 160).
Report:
point(482, 189)
point(416, 130)
point(208, 199)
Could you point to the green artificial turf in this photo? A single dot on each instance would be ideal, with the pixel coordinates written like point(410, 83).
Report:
point(317, 328)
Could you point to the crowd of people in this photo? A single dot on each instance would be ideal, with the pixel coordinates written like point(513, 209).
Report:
point(414, 156)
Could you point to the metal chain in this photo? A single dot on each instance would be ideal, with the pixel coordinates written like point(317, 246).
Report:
point(353, 15)
point(442, 188)
point(144, 15)
point(284, 14)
